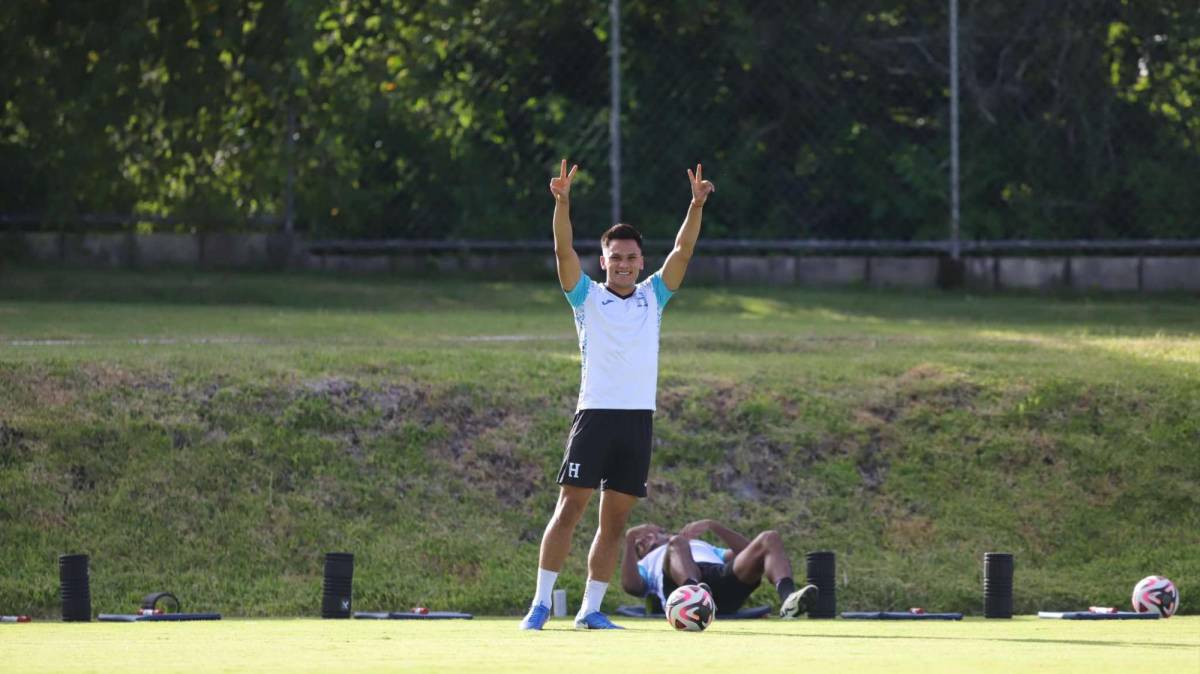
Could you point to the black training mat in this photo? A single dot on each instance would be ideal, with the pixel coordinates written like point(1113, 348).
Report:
point(409, 615)
point(1088, 615)
point(639, 611)
point(899, 615)
point(160, 618)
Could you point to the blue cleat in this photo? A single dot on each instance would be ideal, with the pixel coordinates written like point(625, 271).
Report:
point(595, 621)
point(537, 616)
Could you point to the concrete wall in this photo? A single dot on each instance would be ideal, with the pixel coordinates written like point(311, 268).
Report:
point(979, 273)
point(1170, 273)
point(254, 251)
point(1106, 273)
point(830, 271)
point(904, 272)
point(1030, 273)
point(166, 250)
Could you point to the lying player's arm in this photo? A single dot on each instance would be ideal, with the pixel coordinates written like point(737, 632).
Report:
point(631, 578)
point(733, 539)
point(569, 270)
point(685, 241)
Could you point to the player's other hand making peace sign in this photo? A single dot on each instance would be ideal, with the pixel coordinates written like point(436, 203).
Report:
point(560, 186)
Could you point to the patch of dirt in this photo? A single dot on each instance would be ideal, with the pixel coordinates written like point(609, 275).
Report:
point(81, 480)
point(343, 394)
point(105, 376)
point(757, 471)
point(929, 385)
point(50, 391)
point(872, 468)
point(12, 444)
point(482, 444)
point(714, 407)
point(9, 436)
point(759, 468)
point(905, 529)
point(394, 400)
point(926, 386)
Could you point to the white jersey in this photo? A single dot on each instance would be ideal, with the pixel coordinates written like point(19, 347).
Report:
point(618, 340)
point(650, 567)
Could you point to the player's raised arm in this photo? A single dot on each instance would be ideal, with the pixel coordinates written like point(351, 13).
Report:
point(685, 242)
point(733, 539)
point(631, 578)
point(569, 270)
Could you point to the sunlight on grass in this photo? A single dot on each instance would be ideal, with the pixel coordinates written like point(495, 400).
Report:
point(1171, 349)
point(1159, 347)
point(490, 645)
point(1033, 338)
point(827, 314)
point(746, 306)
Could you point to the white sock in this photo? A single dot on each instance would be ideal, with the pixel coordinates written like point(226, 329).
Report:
point(545, 587)
point(592, 597)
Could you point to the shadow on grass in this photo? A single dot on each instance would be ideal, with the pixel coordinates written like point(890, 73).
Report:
point(1071, 642)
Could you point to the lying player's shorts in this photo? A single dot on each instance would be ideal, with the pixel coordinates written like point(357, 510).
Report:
point(728, 592)
point(609, 449)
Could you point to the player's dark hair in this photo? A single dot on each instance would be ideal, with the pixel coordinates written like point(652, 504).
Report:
point(621, 231)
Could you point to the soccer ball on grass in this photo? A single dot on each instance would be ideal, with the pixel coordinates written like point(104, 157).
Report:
point(1156, 594)
point(690, 608)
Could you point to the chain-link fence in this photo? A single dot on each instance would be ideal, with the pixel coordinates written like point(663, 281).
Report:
point(816, 119)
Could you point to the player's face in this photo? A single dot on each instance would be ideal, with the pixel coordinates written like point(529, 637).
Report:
point(622, 261)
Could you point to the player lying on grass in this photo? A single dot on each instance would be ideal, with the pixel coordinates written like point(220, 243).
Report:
point(656, 563)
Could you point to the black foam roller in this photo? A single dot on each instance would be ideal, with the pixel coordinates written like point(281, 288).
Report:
point(821, 570)
point(337, 589)
point(997, 585)
point(74, 588)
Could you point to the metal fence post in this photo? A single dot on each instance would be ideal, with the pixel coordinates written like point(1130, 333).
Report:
point(954, 168)
point(614, 119)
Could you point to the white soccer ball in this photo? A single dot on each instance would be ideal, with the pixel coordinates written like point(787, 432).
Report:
point(1156, 594)
point(690, 608)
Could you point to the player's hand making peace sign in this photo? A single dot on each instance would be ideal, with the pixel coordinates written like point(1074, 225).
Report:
point(560, 187)
point(701, 188)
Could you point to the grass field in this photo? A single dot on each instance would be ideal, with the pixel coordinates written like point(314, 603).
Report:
point(494, 645)
point(213, 434)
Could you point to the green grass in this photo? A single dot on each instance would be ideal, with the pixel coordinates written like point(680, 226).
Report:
point(213, 434)
point(974, 645)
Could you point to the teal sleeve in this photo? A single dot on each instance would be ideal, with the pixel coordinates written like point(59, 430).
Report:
point(661, 291)
point(720, 552)
point(579, 293)
point(645, 574)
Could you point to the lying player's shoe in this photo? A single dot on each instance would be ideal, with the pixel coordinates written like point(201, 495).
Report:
point(798, 602)
point(595, 621)
point(537, 616)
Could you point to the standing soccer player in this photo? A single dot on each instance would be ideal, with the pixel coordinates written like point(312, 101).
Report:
point(609, 445)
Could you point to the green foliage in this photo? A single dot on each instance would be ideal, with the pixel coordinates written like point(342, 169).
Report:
point(383, 118)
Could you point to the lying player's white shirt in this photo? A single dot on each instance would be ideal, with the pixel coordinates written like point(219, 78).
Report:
point(651, 566)
point(618, 339)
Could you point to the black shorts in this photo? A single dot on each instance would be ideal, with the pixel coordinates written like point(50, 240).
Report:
point(728, 592)
point(609, 449)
